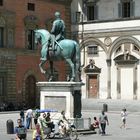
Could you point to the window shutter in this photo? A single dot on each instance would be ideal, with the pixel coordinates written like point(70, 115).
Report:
point(120, 10)
point(95, 12)
point(73, 17)
point(1, 36)
point(132, 8)
point(85, 12)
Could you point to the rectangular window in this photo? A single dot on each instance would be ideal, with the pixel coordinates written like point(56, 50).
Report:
point(31, 6)
point(1, 37)
point(126, 9)
point(10, 38)
point(92, 50)
point(1, 86)
point(31, 36)
point(78, 17)
point(90, 12)
point(1, 2)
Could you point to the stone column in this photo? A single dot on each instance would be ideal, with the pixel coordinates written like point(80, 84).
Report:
point(109, 79)
point(135, 83)
point(118, 83)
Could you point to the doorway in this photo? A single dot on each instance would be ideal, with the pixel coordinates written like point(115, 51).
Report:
point(30, 91)
point(92, 86)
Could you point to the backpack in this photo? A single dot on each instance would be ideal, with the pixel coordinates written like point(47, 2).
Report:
point(21, 113)
point(37, 114)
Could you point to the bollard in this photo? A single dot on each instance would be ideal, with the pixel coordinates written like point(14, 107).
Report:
point(10, 127)
point(105, 107)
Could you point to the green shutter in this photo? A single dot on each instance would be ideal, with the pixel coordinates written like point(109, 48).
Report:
point(132, 8)
point(120, 10)
point(85, 11)
point(95, 12)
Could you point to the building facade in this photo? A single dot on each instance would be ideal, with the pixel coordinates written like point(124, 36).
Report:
point(109, 35)
point(19, 56)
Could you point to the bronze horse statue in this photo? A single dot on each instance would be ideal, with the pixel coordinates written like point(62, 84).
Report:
point(65, 49)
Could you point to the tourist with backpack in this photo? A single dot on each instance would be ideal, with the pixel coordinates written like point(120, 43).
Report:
point(36, 116)
point(22, 116)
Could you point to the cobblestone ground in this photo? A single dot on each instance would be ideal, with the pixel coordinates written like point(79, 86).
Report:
point(132, 131)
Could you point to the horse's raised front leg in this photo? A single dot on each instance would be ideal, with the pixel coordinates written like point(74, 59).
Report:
point(72, 69)
point(41, 66)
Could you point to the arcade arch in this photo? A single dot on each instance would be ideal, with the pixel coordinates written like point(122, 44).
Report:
point(124, 55)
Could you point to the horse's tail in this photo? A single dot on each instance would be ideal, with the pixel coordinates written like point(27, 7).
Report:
point(77, 61)
point(77, 52)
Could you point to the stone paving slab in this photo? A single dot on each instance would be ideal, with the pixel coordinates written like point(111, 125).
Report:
point(132, 132)
point(112, 104)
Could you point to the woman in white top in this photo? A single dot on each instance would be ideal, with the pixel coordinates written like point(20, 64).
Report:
point(123, 117)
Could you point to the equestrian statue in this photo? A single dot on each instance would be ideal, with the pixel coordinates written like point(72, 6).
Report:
point(55, 48)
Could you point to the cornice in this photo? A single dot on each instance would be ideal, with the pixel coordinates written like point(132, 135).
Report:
point(64, 2)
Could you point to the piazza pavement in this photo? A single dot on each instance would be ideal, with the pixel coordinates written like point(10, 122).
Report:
point(113, 131)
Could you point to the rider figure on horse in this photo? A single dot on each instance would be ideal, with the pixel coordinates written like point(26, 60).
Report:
point(57, 31)
point(57, 34)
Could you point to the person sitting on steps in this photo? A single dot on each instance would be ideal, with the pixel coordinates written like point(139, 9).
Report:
point(95, 124)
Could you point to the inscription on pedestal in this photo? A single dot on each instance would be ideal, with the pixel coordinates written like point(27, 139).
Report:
point(55, 102)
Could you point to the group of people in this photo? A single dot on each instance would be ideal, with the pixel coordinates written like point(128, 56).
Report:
point(21, 128)
point(101, 123)
point(48, 126)
point(40, 123)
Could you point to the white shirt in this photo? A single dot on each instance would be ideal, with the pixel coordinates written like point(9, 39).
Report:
point(29, 113)
point(123, 115)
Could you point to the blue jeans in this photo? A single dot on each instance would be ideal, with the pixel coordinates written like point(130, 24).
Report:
point(28, 122)
point(103, 126)
point(38, 138)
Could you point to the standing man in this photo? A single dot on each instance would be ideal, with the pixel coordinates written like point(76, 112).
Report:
point(29, 115)
point(58, 28)
point(103, 120)
point(36, 116)
point(22, 116)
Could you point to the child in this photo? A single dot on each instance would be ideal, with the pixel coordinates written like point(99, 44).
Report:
point(123, 117)
point(37, 133)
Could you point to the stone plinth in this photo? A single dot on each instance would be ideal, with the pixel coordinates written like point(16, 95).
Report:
point(61, 96)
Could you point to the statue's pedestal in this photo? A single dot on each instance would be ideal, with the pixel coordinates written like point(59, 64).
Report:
point(61, 96)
